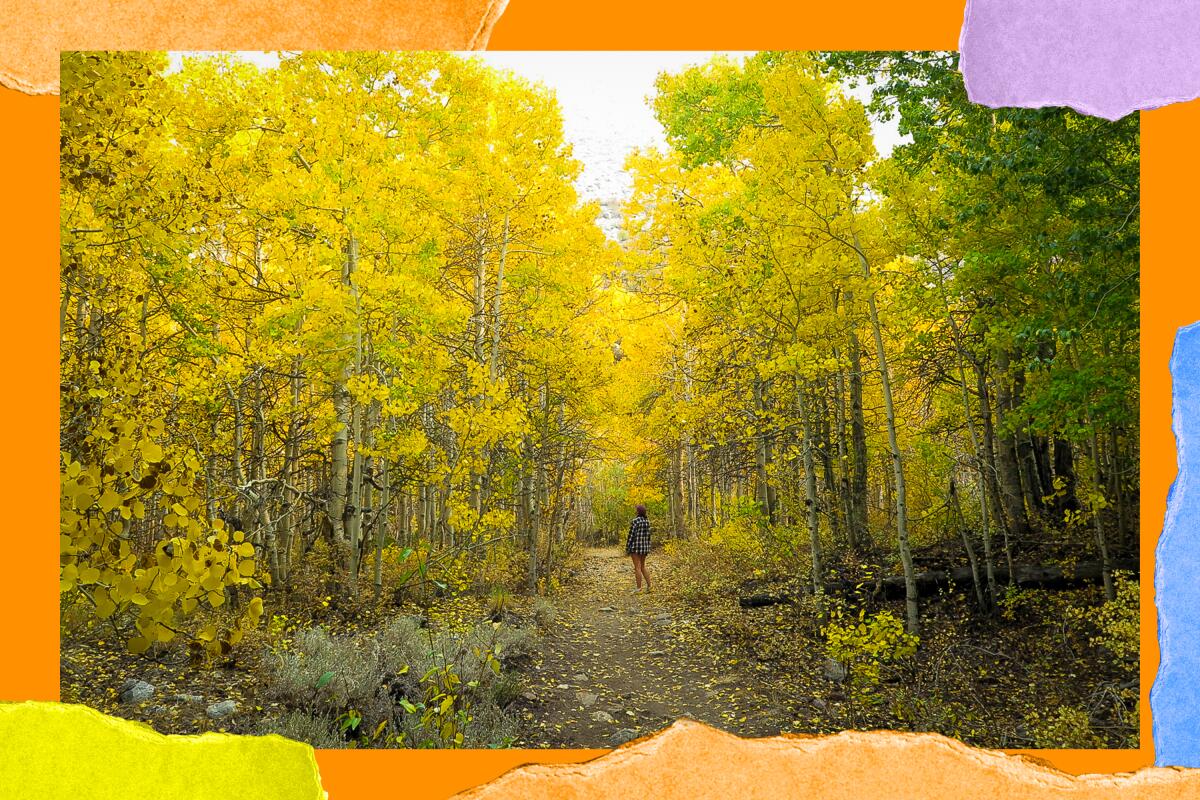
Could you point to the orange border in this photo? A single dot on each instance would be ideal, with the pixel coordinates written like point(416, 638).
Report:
point(28, 227)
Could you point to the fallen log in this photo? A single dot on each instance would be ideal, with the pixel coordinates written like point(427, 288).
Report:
point(930, 582)
point(763, 599)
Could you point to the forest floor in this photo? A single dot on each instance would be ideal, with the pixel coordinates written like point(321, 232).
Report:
point(620, 665)
point(613, 665)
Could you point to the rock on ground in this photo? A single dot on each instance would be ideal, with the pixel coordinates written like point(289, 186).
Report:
point(135, 691)
point(835, 670)
point(622, 736)
point(222, 709)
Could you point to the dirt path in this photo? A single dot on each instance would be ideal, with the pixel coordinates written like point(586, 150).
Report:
point(619, 665)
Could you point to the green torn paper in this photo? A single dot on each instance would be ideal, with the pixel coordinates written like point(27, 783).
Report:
point(50, 750)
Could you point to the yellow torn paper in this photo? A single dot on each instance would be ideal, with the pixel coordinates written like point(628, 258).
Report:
point(53, 750)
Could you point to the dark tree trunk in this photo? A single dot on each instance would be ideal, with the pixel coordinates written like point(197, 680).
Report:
point(1007, 466)
point(992, 488)
point(858, 446)
point(1041, 458)
point(1064, 468)
point(1030, 483)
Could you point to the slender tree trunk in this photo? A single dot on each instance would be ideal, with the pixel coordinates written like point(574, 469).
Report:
point(354, 522)
point(1041, 459)
point(532, 495)
point(810, 492)
point(341, 436)
point(1011, 491)
point(1110, 589)
point(912, 608)
point(353, 508)
point(767, 497)
point(493, 364)
point(845, 496)
point(265, 522)
point(1023, 441)
point(381, 518)
point(956, 506)
point(981, 466)
point(989, 446)
point(291, 468)
point(858, 441)
point(1116, 484)
point(1064, 470)
point(239, 477)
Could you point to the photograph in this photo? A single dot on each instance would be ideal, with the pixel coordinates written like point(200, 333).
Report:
point(513, 399)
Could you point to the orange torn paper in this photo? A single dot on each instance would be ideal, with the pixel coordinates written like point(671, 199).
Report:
point(36, 31)
point(691, 760)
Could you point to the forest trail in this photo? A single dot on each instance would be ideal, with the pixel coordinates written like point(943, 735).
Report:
point(318, 374)
point(620, 665)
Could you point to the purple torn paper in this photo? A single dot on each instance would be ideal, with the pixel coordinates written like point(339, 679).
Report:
point(1106, 58)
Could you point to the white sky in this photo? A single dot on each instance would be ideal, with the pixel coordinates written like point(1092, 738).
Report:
point(605, 103)
point(603, 95)
point(606, 113)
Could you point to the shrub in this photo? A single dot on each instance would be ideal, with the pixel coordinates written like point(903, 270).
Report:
point(864, 644)
point(304, 727)
point(327, 673)
point(505, 565)
point(405, 685)
point(699, 570)
point(543, 612)
point(737, 539)
point(1065, 727)
point(1120, 620)
point(499, 602)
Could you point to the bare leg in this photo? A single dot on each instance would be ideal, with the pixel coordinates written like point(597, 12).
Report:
point(637, 573)
point(640, 564)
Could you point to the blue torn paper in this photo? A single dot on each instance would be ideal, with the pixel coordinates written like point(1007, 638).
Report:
point(1175, 696)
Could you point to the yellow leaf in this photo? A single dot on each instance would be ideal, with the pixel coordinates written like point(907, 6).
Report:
point(109, 500)
point(212, 579)
point(124, 587)
point(153, 453)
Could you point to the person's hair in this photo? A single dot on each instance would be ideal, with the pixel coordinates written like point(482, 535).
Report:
point(641, 511)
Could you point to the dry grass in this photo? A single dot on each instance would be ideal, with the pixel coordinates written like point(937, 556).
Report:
point(321, 678)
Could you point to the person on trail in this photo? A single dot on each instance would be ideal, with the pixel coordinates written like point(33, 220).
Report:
point(637, 546)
